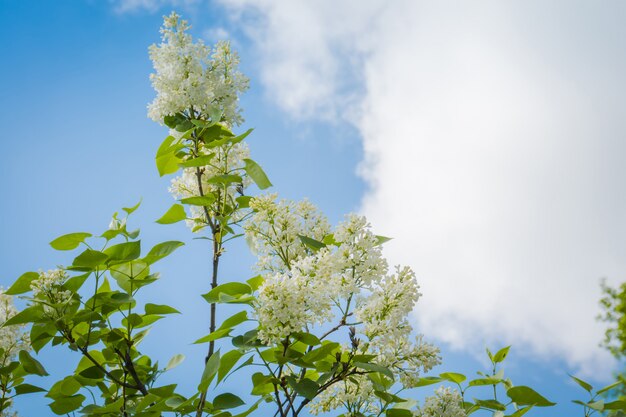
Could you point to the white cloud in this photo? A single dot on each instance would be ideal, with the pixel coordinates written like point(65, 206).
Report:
point(126, 6)
point(494, 143)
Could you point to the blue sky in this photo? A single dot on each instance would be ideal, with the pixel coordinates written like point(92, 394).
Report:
point(333, 123)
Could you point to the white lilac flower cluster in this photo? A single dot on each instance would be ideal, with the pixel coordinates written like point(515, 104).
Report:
point(358, 391)
point(446, 402)
point(226, 160)
point(12, 338)
point(48, 288)
point(189, 77)
point(308, 288)
point(273, 232)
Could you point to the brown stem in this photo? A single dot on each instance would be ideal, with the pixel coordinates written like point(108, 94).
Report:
point(280, 405)
point(216, 261)
point(130, 366)
point(86, 353)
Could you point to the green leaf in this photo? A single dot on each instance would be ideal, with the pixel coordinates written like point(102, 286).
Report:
point(174, 120)
point(307, 338)
point(382, 239)
point(166, 159)
point(28, 315)
point(31, 365)
point(257, 174)
point(225, 179)
point(130, 210)
point(388, 397)
point(262, 384)
point(596, 405)
point(255, 282)
point(484, 381)
point(234, 320)
point(586, 386)
point(229, 360)
point(312, 244)
point(243, 201)
point(523, 395)
point(521, 412)
point(126, 251)
point(241, 137)
point(66, 387)
point(615, 405)
point(197, 162)
point(66, 405)
point(226, 401)
point(227, 292)
point(501, 354)
point(73, 284)
point(249, 411)
point(205, 200)
point(609, 387)
point(175, 361)
point(427, 380)
point(69, 241)
point(27, 389)
point(90, 258)
point(491, 404)
point(218, 334)
point(210, 370)
point(160, 309)
point(374, 367)
point(175, 214)
point(398, 412)
point(453, 377)
point(307, 388)
point(162, 250)
point(22, 284)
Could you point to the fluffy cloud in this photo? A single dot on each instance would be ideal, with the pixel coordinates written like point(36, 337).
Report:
point(125, 6)
point(494, 143)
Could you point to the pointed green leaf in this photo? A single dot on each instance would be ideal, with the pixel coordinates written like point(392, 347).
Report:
point(226, 401)
point(130, 210)
point(501, 354)
point(257, 174)
point(232, 289)
point(31, 365)
point(205, 200)
point(586, 386)
point(234, 320)
point(453, 377)
point(22, 284)
point(65, 405)
point(69, 241)
point(311, 243)
point(229, 360)
point(373, 367)
point(28, 315)
point(175, 361)
point(382, 239)
point(162, 250)
point(90, 258)
point(609, 387)
point(175, 214)
point(210, 370)
point(126, 251)
point(197, 162)
point(307, 388)
point(27, 389)
point(522, 395)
